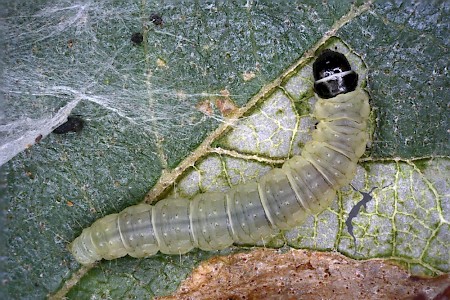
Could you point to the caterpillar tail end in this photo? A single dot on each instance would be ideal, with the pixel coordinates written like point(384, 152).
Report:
point(81, 249)
point(100, 241)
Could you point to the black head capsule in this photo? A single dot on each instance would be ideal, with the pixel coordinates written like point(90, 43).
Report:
point(333, 75)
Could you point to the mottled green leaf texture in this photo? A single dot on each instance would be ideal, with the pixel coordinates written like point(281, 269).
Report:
point(148, 105)
point(406, 47)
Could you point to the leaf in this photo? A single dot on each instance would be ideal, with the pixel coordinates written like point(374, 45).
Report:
point(300, 274)
point(139, 104)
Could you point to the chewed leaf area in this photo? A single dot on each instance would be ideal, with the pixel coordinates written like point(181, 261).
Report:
point(404, 219)
point(384, 225)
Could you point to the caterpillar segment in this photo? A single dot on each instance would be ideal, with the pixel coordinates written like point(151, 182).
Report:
point(248, 213)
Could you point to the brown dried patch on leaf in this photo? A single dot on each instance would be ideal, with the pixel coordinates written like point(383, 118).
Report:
point(205, 107)
point(298, 274)
point(225, 104)
point(444, 295)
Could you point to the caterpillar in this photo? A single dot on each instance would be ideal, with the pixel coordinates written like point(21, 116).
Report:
point(248, 213)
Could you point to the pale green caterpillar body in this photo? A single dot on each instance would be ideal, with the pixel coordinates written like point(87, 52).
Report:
point(248, 213)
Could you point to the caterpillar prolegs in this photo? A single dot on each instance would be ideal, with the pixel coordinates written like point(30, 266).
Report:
point(251, 212)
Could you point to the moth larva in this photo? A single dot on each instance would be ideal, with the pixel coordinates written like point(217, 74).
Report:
point(251, 212)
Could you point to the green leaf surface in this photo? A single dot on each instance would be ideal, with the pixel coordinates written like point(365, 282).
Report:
point(139, 106)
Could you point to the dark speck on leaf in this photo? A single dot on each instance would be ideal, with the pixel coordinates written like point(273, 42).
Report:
point(156, 19)
point(355, 210)
point(137, 38)
point(73, 124)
